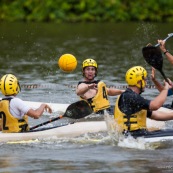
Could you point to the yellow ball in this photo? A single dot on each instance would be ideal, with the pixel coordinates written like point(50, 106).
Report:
point(67, 63)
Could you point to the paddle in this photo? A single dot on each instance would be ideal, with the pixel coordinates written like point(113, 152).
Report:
point(153, 56)
point(77, 110)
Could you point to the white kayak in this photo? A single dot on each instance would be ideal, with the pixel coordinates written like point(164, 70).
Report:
point(76, 129)
point(67, 131)
point(161, 138)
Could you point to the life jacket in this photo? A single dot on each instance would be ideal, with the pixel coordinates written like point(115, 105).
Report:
point(100, 100)
point(132, 122)
point(9, 122)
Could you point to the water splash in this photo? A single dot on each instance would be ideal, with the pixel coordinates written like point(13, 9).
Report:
point(120, 140)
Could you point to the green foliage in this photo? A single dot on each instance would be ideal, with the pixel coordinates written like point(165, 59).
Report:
point(86, 10)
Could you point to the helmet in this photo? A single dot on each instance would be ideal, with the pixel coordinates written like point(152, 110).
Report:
point(135, 74)
point(89, 62)
point(9, 85)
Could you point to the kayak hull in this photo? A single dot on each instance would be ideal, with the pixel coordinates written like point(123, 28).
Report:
point(67, 131)
point(71, 131)
point(76, 129)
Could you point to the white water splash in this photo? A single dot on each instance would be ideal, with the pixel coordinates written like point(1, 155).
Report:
point(120, 140)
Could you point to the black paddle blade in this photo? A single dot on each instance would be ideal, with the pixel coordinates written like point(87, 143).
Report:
point(153, 57)
point(78, 110)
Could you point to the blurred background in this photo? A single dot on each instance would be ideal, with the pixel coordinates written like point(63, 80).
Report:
point(35, 33)
point(86, 10)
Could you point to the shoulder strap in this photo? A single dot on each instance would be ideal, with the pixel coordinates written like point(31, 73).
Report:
point(95, 81)
point(9, 99)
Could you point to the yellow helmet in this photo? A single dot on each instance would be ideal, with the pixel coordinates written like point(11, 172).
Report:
point(89, 62)
point(9, 85)
point(135, 74)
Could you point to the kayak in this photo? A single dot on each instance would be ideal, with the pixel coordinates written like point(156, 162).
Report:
point(159, 136)
point(78, 128)
point(67, 131)
point(71, 131)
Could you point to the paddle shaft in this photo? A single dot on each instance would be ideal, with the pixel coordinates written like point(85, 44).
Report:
point(162, 73)
point(166, 79)
point(47, 122)
point(169, 36)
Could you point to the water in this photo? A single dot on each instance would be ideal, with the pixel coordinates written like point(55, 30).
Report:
point(31, 51)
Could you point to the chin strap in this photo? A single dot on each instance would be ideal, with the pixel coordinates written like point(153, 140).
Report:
point(141, 89)
point(19, 87)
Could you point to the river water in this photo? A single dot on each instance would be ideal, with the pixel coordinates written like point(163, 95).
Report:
point(30, 51)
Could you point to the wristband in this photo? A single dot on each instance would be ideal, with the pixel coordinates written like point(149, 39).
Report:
point(165, 52)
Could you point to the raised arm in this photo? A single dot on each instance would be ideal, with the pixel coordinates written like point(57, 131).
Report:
point(155, 81)
point(168, 55)
point(160, 99)
point(158, 85)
